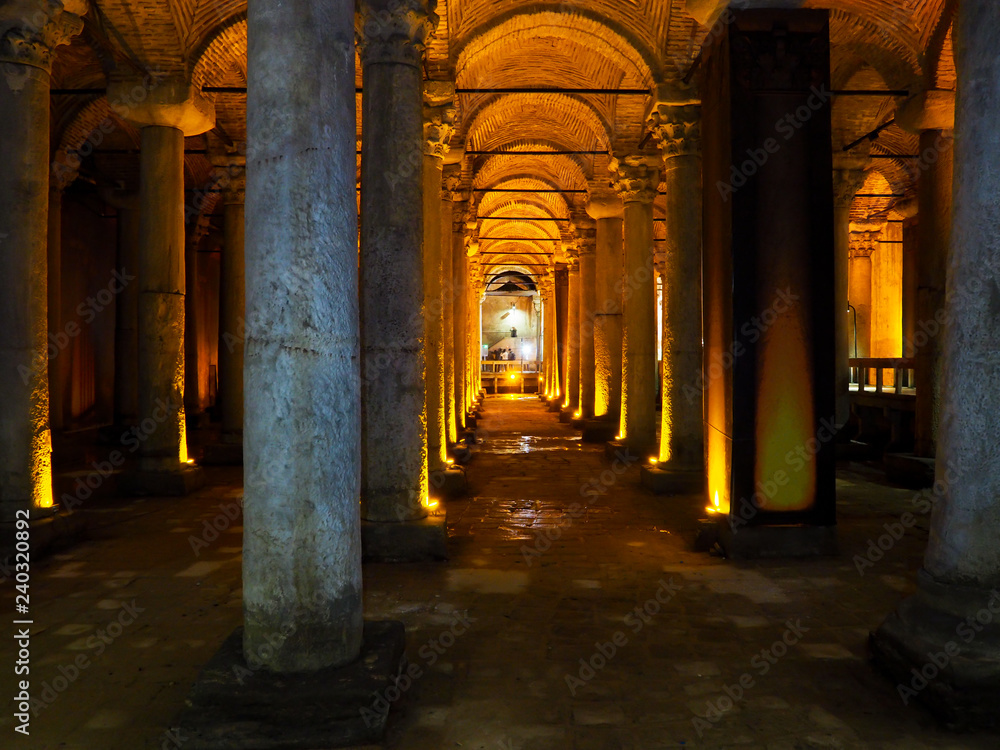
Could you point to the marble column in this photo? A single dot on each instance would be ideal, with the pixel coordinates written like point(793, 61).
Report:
point(301, 539)
point(637, 181)
point(551, 340)
point(439, 117)
point(171, 110)
point(846, 183)
point(607, 210)
point(934, 196)
point(459, 276)
point(572, 377)
point(232, 297)
point(588, 308)
point(948, 633)
point(863, 244)
point(676, 126)
point(395, 427)
point(451, 181)
point(29, 33)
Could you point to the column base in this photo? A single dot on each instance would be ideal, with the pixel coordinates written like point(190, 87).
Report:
point(942, 647)
point(183, 480)
point(471, 421)
point(233, 706)
point(666, 481)
point(566, 414)
point(450, 482)
point(909, 470)
point(59, 529)
point(751, 542)
point(599, 430)
point(422, 540)
point(222, 454)
point(555, 405)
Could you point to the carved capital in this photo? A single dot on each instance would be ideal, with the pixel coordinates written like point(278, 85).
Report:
point(863, 244)
point(637, 178)
point(439, 117)
point(676, 129)
point(395, 31)
point(30, 30)
point(846, 183)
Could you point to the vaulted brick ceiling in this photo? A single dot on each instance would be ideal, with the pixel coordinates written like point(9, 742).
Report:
point(594, 44)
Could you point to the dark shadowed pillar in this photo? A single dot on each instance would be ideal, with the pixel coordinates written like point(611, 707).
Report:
point(942, 645)
point(29, 33)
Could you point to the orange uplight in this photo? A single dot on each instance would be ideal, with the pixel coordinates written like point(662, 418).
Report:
point(430, 503)
point(715, 508)
point(653, 461)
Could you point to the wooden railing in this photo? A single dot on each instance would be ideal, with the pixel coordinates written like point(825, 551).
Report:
point(901, 368)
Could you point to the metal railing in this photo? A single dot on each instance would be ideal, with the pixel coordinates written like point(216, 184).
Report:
point(501, 366)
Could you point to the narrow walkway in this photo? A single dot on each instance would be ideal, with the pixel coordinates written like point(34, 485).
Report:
point(552, 553)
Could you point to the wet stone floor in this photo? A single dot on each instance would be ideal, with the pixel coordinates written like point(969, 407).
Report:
point(572, 615)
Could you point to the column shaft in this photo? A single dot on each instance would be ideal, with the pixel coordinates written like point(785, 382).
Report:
point(572, 400)
point(846, 183)
point(59, 364)
point(302, 538)
point(448, 320)
point(433, 315)
point(608, 320)
point(588, 305)
point(460, 261)
point(161, 297)
point(127, 320)
point(231, 322)
point(681, 428)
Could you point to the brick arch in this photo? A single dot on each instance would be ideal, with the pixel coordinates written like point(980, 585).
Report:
point(495, 38)
point(222, 52)
point(564, 170)
point(570, 121)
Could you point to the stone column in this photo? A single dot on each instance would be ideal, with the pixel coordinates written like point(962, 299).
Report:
point(607, 209)
point(934, 195)
point(449, 287)
point(460, 274)
point(676, 125)
point(588, 305)
point(439, 117)
point(637, 181)
point(862, 245)
point(59, 357)
point(394, 435)
point(572, 377)
point(551, 347)
point(942, 645)
point(29, 32)
point(846, 183)
point(301, 540)
point(231, 175)
point(170, 111)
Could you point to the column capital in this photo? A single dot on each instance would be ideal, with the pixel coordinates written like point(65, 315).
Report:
point(933, 109)
point(30, 30)
point(675, 123)
point(846, 183)
point(864, 243)
point(439, 117)
point(637, 178)
point(604, 204)
point(394, 31)
point(169, 102)
point(230, 175)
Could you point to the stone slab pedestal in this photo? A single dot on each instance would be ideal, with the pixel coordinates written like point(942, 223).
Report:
point(566, 415)
point(233, 706)
point(671, 482)
point(942, 647)
point(909, 470)
point(617, 450)
point(751, 542)
point(450, 482)
point(222, 454)
point(423, 540)
point(172, 483)
point(555, 405)
point(599, 430)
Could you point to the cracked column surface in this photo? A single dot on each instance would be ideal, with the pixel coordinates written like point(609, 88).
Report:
point(302, 530)
point(26, 51)
point(676, 125)
point(638, 178)
point(394, 432)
